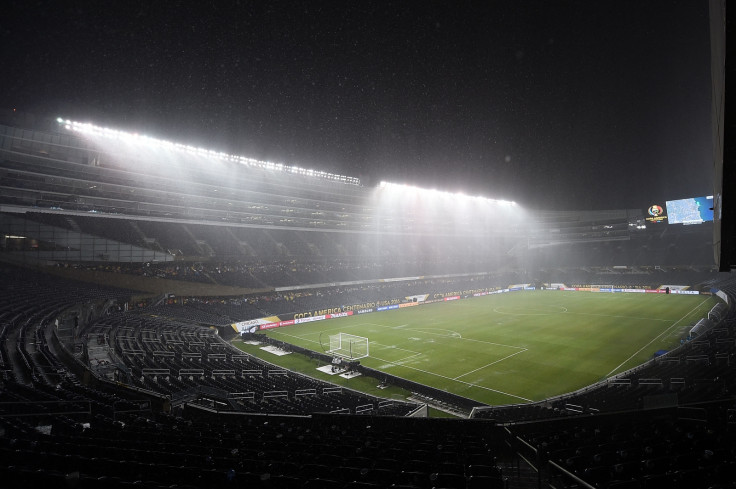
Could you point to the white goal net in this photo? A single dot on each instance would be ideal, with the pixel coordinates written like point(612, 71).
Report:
point(348, 346)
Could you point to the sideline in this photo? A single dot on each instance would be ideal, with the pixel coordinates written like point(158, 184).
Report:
point(656, 337)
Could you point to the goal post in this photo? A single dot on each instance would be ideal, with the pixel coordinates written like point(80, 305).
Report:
point(348, 346)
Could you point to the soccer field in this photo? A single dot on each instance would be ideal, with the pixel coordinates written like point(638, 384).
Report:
point(516, 347)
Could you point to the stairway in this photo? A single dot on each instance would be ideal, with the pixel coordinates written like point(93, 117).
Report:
point(148, 242)
point(73, 224)
point(519, 474)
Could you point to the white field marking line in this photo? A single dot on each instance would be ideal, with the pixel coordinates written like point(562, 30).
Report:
point(688, 314)
point(393, 347)
point(492, 363)
point(424, 371)
point(458, 337)
point(405, 359)
point(614, 316)
point(458, 381)
point(676, 332)
point(666, 331)
point(454, 334)
point(415, 353)
point(492, 343)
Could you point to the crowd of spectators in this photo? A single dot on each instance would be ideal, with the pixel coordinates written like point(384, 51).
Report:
point(260, 274)
point(226, 310)
point(292, 272)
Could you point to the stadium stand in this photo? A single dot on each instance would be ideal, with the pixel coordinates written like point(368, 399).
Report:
point(83, 363)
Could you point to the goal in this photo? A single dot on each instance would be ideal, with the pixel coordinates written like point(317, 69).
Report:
point(348, 346)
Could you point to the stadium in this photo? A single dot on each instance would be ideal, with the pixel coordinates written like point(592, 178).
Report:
point(134, 301)
point(176, 316)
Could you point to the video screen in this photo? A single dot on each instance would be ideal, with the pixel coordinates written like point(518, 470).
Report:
point(694, 210)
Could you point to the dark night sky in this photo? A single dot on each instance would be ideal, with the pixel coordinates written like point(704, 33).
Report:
point(565, 105)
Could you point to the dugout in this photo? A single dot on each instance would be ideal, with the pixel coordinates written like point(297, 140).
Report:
point(718, 312)
point(700, 327)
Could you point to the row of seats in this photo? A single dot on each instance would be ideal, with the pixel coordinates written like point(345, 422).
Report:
point(170, 357)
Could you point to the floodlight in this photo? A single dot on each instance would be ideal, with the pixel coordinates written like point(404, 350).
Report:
point(459, 196)
point(89, 129)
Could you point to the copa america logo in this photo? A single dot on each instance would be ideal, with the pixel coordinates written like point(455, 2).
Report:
point(656, 210)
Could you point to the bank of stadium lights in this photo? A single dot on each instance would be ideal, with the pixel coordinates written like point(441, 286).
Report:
point(433, 192)
point(105, 132)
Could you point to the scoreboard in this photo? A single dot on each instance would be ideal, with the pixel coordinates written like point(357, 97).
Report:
point(695, 210)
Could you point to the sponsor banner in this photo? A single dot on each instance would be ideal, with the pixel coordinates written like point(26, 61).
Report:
point(635, 291)
point(409, 304)
point(556, 285)
point(455, 293)
point(252, 322)
point(364, 305)
point(364, 311)
point(451, 298)
point(253, 325)
point(269, 326)
point(387, 308)
point(530, 288)
point(481, 294)
point(339, 315)
point(674, 287)
point(518, 286)
point(606, 286)
point(417, 298)
point(344, 308)
point(309, 319)
point(432, 301)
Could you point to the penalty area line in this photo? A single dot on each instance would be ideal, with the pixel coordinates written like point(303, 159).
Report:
point(393, 347)
point(425, 371)
point(492, 363)
point(407, 358)
point(453, 380)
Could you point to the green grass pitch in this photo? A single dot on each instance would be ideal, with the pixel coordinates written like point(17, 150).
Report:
point(516, 347)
